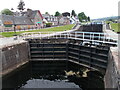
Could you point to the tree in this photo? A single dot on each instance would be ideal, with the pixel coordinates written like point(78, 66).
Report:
point(110, 19)
point(7, 12)
point(82, 17)
point(46, 13)
point(57, 13)
point(21, 5)
point(88, 18)
point(73, 13)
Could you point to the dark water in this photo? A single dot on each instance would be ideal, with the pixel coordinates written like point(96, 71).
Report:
point(52, 74)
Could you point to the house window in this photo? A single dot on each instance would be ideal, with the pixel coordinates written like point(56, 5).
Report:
point(50, 19)
point(46, 18)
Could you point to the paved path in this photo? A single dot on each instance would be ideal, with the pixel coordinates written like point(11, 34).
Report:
point(110, 33)
point(107, 26)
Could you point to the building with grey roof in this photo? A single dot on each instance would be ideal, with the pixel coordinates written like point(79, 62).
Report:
point(50, 19)
point(16, 20)
point(27, 20)
point(60, 20)
point(9, 21)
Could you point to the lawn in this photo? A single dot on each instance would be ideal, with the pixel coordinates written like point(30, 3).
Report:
point(54, 29)
point(115, 26)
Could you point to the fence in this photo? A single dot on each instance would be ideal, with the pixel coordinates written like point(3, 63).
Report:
point(93, 37)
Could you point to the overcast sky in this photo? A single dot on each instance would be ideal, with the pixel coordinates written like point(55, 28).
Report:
point(92, 8)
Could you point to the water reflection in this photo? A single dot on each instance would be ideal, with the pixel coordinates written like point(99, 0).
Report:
point(53, 74)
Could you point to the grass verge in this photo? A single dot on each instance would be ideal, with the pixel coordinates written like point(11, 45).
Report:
point(53, 29)
point(115, 27)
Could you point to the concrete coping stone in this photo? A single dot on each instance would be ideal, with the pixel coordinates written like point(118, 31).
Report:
point(11, 43)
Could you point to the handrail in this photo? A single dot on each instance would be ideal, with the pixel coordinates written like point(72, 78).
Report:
point(85, 36)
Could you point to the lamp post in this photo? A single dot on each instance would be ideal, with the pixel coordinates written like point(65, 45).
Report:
point(14, 25)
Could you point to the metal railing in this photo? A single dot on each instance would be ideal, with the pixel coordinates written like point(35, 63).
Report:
point(84, 36)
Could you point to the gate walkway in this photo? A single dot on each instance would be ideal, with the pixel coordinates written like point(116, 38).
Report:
point(93, 37)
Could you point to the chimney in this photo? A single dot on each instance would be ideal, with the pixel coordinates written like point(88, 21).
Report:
point(29, 12)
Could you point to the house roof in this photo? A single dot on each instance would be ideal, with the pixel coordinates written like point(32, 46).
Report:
point(32, 13)
point(66, 14)
point(40, 14)
point(18, 20)
point(46, 15)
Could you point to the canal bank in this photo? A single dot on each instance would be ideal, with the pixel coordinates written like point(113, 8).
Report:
point(112, 76)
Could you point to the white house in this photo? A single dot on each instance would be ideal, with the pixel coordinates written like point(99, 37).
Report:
point(50, 18)
point(74, 20)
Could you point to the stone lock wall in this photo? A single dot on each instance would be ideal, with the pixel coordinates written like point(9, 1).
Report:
point(112, 76)
point(14, 56)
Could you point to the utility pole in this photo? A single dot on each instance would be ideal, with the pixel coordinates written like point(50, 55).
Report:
point(14, 25)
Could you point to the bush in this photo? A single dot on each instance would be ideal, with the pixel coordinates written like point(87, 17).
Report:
point(48, 24)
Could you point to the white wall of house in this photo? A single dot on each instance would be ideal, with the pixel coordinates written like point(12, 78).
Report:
point(74, 20)
point(50, 19)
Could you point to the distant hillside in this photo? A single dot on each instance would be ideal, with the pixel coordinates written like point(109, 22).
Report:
point(107, 18)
